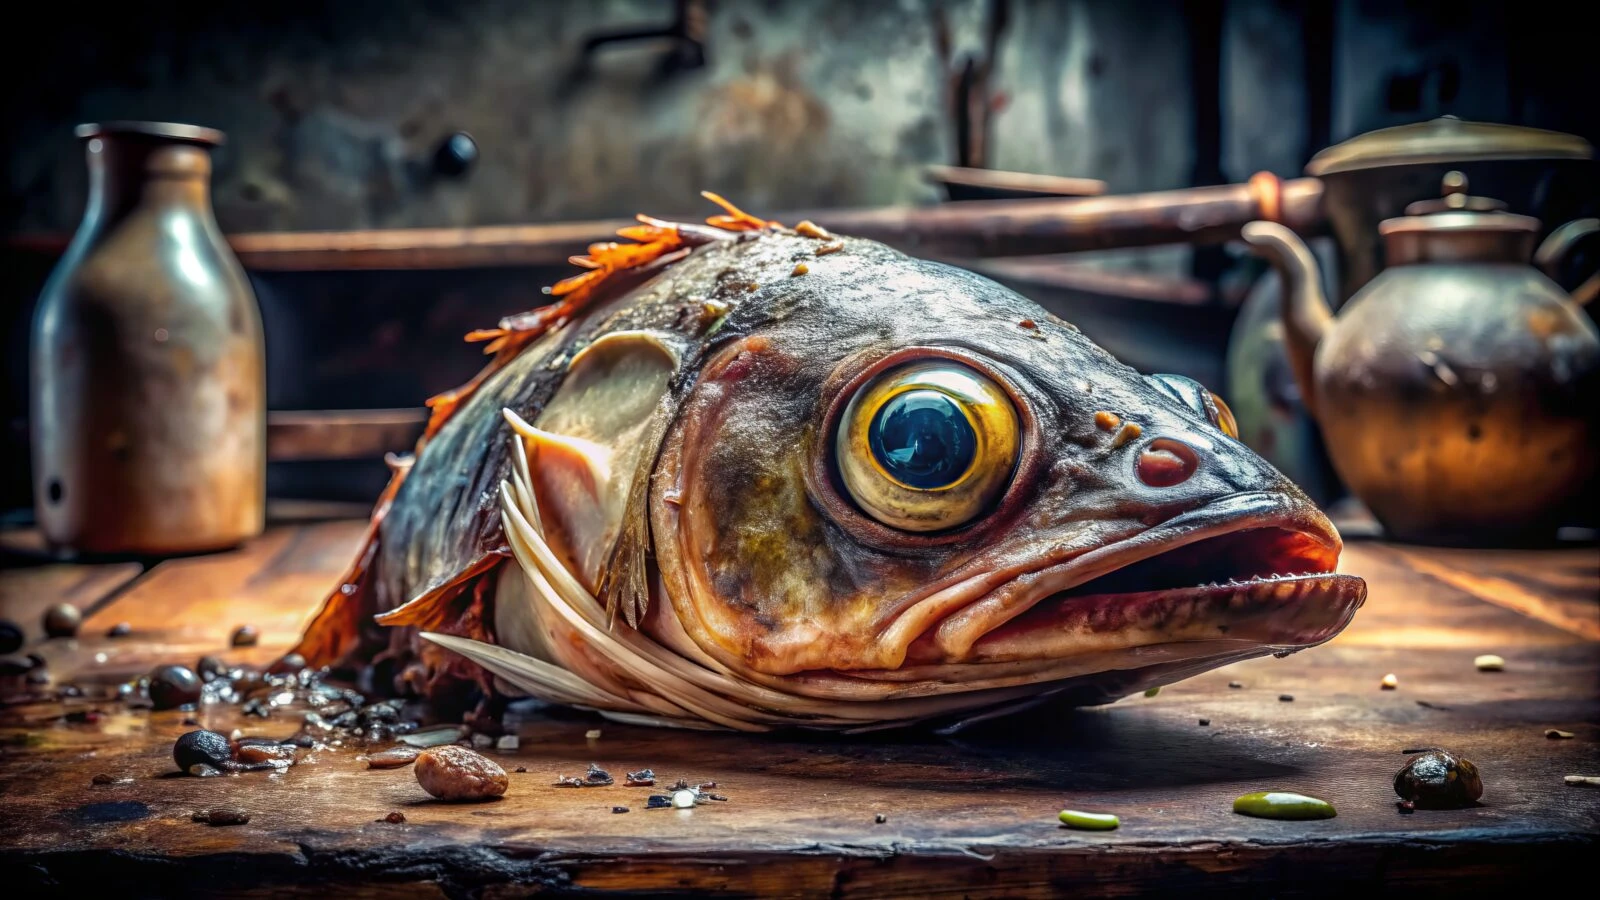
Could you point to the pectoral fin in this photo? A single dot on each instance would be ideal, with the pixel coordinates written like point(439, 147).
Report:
point(590, 446)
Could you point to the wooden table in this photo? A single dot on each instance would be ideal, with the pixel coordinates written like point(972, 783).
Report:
point(967, 816)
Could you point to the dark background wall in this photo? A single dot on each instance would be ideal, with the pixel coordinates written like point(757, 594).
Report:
point(333, 112)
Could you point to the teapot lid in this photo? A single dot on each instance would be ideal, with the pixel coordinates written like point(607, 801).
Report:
point(1456, 210)
point(1446, 139)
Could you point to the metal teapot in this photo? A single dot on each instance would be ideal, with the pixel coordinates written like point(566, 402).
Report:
point(1456, 390)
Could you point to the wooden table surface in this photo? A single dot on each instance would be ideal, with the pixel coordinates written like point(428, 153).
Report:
point(965, 816)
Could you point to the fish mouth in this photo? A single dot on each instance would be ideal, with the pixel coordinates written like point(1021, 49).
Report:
point(1245, 575)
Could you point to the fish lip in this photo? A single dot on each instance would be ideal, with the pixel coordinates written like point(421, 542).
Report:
point(990, 606)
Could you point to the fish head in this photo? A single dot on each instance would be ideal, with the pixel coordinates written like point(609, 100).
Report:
point(891, 476)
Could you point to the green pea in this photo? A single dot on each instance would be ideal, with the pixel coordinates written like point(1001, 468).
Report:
point(1153, 691)
point(1089, 821)
point(1283, 805)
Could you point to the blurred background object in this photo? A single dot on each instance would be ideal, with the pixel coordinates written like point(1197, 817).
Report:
point(400, 173)
point(148, 364)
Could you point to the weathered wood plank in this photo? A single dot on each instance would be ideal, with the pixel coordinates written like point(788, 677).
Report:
point(26, 591)
point(970, 815)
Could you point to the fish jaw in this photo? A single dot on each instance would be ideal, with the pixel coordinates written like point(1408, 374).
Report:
point(1251, 572)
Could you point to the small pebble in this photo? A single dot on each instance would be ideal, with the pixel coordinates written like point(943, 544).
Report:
point(1088, 821)
point(244, 636)
point(1283, 805)
point(507, 743)
point(392, 758)
point(395, 818)
point(222, 815)
point(1582, 780)
point(1556, 734)
point(270, 752)
point(102, 778)
point(207, 748)
point(1439, 779)
point(1205, 721)
point(641, 778)
point(1286, 698)
point(522, 770)
point(11, 637)
point(174, 686)
point(1489, 663)
point(682, 799)
point(15, 666)
point(119, 630)
point(1235, 685)
point(880, 818)
point(210, 668)
point(619, 809)
point(482, 742)
point(458, 773)
point(62, 620)
point(1390, 682)
point(592, 734)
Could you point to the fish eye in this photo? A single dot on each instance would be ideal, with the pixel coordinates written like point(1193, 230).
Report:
point(1195, 396)
point(928, 446)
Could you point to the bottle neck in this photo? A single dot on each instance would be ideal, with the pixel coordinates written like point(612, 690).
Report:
point(127, 172)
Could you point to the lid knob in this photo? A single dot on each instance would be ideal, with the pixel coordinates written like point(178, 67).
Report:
point(1453, 198)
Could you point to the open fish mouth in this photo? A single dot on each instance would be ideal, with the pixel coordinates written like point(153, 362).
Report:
point(1250, 574)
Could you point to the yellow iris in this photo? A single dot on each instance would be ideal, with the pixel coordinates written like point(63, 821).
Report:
point(928, 446)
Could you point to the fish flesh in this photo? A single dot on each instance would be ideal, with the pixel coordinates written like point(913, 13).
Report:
point(747, 476)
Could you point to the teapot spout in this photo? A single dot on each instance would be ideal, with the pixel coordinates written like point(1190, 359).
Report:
point(1306, 317)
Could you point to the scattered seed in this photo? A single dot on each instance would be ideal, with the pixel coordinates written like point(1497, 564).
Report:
point(1439, 779)
point(174, 686)
point(222, 815)
point(457, 773)
point(207, 748)
point(62, 620)
point(1153, 691)
point(11, 637)
point(394, 818)
point(800, 269)
point(682, 799)
point(1286, 698)
point(522, 770)
point(1556, 734)
point(1489, 663)
point(1283, 805)
point(244, 636)
point(1088, 821)
point(507, 743)
point(1126, 433)
point(392, 758)
point(833, 247)
point(592, 734)
point(1235, 685)
point(1205, 721)
point(119, 630)
point(641, 778)
point(619, 809)
point(1029, 324)
point(1582, 780)
point(1390, 682)
point(1106, 421)
point(810, 229)
point(102, 778)
point(880, 818)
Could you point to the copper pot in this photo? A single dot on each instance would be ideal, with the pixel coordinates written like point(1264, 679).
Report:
point(148, 366)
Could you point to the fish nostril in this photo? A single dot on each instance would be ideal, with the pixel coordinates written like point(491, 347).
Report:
point(1166, 462)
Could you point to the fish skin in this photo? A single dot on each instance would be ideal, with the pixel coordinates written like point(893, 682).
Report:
point(758, 579)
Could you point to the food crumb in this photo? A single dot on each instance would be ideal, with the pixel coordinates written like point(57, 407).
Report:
point(1488, 662)
point(811, 229)
point(1029, 324)
point(1106, 421)
point(1235, 685)
point(522, 770)
point(1556, 734)
point(833, 247)
point(1205, 721)
point(394, 818)
point(880, 818)
point(244, 636)
point(592, 734)
point(457, 773)
point(800, 269)
point(1286, 698)
point(1390, 682)
point(102, 778)
point(619, 809)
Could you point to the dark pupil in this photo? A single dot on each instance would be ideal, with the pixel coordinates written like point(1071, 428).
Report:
point(922, 439)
